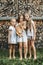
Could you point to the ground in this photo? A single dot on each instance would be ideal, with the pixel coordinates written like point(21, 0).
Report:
point(5, 61)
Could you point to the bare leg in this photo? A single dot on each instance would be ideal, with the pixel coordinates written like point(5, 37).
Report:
point(10, 51)
point(25, 50)
point(34, 49)
point(14, 51)
point(29, 49)
point(20, 50)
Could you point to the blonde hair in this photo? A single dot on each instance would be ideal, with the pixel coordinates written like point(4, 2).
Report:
point(13, 19)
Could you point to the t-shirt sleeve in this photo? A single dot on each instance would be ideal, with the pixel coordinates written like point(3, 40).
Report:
point(10, 28)
point(32, 22)
point(17, 25)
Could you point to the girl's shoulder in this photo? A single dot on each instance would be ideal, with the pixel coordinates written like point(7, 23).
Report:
point(11, 28)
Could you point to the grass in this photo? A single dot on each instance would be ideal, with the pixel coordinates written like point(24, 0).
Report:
point(5, 61)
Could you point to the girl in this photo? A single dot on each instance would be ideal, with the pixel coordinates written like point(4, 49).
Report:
point(19, 35)
point(31, 33)
point(12, 38)
point(22, 39)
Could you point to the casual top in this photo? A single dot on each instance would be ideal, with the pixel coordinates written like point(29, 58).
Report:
point(13, 35)
point(30, 30)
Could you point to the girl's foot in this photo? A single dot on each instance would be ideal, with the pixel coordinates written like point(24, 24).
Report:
point(34, 58)
point(30, 57)
point(25, 57)
point(21, 58)
point(10, 58)
point(13, 57)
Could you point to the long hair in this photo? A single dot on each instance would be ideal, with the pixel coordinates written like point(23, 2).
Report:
point(20, 16)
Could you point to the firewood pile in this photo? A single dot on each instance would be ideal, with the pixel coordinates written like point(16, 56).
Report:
point(4, 34)
point(39, 34)
point(10, 8)
point(7, 8)
point(15, 7)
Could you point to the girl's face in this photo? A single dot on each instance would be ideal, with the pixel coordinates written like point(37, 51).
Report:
point(26, 16)
point(13, 22)
point(21, 18)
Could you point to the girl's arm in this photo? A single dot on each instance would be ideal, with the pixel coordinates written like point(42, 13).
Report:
point(35, 29)
point(34, 26)
point(9, 36)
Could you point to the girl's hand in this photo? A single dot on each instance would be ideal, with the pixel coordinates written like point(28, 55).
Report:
point(34, 37)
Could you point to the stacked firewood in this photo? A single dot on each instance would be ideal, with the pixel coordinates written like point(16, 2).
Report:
point(39, 34)
point(8, 8)
point(4, 34)
point(14, 7)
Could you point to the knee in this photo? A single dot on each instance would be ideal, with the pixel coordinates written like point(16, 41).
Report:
point(33, 46)
point(10, 47)
point(20, 47)
point(25, 47)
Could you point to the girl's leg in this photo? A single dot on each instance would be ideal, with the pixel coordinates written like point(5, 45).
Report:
point(10, 51)
point(29, 46)
point(20, 50)
point(25, 50)
point(34, 49)
point(14, 51)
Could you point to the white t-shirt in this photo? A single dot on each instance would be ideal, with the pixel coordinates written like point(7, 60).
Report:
point(13, 35)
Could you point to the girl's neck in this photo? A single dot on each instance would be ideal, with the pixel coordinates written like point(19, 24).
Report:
point(21, 21)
